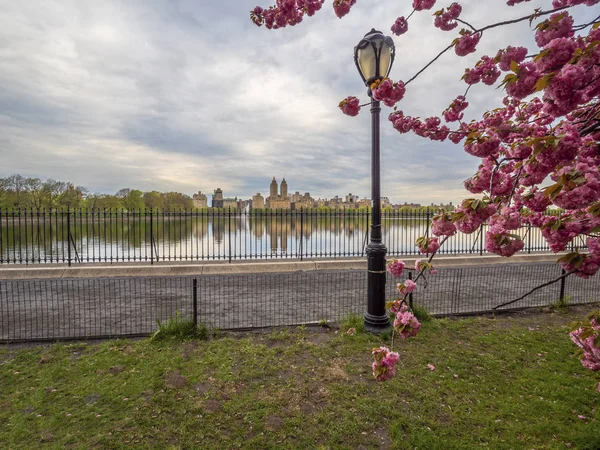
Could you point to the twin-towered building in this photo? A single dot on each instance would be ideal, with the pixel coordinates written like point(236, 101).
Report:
point(280, 199)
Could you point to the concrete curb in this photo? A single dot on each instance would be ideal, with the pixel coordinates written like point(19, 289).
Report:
point(165, 270)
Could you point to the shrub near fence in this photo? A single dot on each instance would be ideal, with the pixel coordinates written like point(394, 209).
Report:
point(82, 236)
point(37, 310)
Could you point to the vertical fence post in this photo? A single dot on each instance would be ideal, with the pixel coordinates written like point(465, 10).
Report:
point(1, 253)
point(195, 300)
point(69, 236)
point(301, 233)
point(481, 237)
point(410, 296)
point(229, 231)
point(151, 240)
point(529, 238)
point(562, 286)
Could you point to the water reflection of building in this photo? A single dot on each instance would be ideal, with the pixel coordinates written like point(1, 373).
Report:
point(218, 228)
point(200, 228)
point(279, 228)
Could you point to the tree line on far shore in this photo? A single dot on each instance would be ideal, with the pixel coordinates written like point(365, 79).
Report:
point(17, 191)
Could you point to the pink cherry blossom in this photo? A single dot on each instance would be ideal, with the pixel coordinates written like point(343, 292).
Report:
point(342, 7)
point(407, 287)
point(396, 267)
point(388, 92)
point(429, 245)
point(467, 43)
point(558, 25)
point(446, 20)
point(400, 26)
point(420, 5)
point(384, 363)
point(510, 54)
point(456, 108)
point(350, 106)
point(406, 324)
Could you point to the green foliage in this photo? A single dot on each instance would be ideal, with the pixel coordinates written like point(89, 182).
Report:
point(179, 329)
point(421, 313)
point(353, 321)
point(561, 304)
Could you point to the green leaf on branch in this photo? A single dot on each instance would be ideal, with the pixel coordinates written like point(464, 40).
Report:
point(594, 209)
point(553, 190)
point(573, 258)
point(514, 66)
point(542, 83)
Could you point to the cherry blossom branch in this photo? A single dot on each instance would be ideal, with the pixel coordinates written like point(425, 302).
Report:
point(564, 275)
point(431, 258)
point(512, 192)
point(467, 24)
point(585, 25)
point(429, 64)
point(488, 27)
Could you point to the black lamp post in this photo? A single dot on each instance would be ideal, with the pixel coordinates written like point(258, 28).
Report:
point(374, 56)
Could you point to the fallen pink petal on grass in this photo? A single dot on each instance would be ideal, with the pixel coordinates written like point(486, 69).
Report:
point(431, 366)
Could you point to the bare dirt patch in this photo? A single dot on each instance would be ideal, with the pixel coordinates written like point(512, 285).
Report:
point(212, 406)
point(174, 380)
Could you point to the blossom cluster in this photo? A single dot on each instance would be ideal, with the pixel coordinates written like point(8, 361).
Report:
point(471, 214)
point(586, 337)
point(400, 26)
point(456, 108)
point(442, 225)
point(387, 91)
point(421, 5)
point(396, 267)
point(466, 43)
point(405, 323)
point(285, 12)
point(406, 287)
point(428, 245)
point(446, 19)
point(485, 71)
point(384, 363)
point(342, 7)
point(350, 106)
point(503, 244)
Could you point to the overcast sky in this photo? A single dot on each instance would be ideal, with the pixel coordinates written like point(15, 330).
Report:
point(189, 95)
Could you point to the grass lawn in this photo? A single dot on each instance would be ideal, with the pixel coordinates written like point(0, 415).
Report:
point(504, 382)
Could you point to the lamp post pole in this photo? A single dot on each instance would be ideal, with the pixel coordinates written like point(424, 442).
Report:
point(376, 319)
point(374, 56)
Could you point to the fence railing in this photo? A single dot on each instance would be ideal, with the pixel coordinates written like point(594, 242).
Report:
point(84, 236)
point(85, 308)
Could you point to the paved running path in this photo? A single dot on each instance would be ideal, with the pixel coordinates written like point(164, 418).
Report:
point(79, 308)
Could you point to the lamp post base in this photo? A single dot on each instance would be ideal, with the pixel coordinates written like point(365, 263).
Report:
point(376, 319)
point(376, 324)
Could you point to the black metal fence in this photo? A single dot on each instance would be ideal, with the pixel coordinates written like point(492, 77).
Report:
point(38, 310)
point(81, 236)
